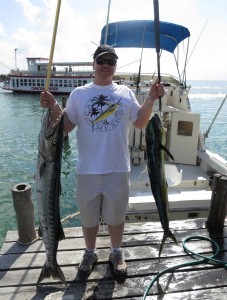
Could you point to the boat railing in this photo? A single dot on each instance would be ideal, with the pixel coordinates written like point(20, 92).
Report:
point(53, 73)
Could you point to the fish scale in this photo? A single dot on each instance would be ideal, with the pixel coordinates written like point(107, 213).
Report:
point(156, 171)
point(48, 189)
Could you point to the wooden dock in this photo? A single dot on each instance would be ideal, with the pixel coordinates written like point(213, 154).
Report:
point(21, 265)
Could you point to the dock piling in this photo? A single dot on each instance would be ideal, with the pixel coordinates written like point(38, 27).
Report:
point(218, 205)
point(24, 209)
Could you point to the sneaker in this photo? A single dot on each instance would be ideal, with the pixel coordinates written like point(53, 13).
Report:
point(88, 262)
point(118, 263)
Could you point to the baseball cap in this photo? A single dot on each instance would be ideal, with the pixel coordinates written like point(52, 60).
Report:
point(104, 49)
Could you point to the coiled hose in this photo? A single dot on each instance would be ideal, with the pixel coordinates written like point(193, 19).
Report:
point(203, 259)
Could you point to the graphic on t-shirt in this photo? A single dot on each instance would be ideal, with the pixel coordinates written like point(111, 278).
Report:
point(103, 113)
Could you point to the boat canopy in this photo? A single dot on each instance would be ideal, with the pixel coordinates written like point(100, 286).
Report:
point(141, 34)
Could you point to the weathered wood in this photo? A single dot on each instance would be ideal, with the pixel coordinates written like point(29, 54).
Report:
point(24, 208)
point(218, 205)
point(20, 266)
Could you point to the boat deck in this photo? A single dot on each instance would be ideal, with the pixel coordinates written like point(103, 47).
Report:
point(189, 198)
point(20, 266)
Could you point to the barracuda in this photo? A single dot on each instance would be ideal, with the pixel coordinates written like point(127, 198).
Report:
point(156, 171)
point(48, 190)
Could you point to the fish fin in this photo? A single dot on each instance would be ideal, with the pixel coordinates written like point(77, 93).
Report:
point(54, 272)
point(162, 244)
point(61, 234)
point(167, 234)
point(40, 233)
point(167, 152)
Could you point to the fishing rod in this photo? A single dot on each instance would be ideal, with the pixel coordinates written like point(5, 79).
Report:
point(157, 42)
point(141, 56)
point(208, 130)
point(187, 61)
point(107, 22)
point(52, 45)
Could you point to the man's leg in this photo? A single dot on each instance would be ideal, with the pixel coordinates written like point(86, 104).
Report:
point(90, 234)
point(116, 235)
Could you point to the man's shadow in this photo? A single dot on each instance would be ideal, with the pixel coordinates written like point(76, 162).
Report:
point(91, 288)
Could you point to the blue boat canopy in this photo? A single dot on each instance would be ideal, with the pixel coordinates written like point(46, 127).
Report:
point(141, 34)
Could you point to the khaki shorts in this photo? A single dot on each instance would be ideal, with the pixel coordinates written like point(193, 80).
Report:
point(104, 195)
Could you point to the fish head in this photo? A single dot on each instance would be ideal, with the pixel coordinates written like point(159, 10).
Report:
point(50, 138)
point(155, 126)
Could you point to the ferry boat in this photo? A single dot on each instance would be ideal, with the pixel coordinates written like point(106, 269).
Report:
point(65, 76)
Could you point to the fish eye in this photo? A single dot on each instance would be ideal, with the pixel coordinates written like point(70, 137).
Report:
point(54, 141)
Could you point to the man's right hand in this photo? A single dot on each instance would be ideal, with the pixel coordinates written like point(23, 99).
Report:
point(47, 100)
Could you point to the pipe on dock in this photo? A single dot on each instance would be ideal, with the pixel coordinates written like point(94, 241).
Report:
point(24, 208)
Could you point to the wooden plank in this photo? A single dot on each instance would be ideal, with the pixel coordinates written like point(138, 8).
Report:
point(182, 282)
point(20, 266)
point(130, 228)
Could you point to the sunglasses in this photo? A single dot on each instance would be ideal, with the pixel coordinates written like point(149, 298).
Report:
point(102, 61)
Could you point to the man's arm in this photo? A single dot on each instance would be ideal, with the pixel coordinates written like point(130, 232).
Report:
point(47, 100)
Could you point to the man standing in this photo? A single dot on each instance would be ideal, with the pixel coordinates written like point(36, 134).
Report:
point(103, 112)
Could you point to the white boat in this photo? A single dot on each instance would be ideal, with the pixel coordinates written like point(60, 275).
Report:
point(189, 177)
point(65, 76)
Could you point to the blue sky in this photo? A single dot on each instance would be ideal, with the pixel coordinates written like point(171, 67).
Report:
point(27, 25)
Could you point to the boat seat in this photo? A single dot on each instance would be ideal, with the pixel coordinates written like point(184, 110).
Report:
point(173, 176)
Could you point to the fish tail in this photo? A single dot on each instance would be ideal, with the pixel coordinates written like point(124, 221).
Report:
point(167, 234)
point(54, 272)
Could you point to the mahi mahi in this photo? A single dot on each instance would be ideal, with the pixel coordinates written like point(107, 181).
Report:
point(156, 171)
point(48, 190)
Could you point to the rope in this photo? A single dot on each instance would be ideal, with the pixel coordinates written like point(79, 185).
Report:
point(203, 259)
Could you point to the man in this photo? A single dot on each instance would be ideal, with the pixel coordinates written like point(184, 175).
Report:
point(103, 112)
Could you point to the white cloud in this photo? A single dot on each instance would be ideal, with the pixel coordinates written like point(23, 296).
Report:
point(31, 12)
point(2, 30)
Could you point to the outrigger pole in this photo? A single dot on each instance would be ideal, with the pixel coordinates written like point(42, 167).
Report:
point(52, 45)
point(157, 42)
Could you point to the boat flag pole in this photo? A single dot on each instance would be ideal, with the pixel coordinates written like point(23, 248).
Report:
point(52, 45)
point(157, 42)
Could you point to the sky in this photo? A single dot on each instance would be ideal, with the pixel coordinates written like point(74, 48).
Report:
point(27, 26)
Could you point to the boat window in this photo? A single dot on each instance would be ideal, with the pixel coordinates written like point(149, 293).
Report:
point(42, 82)
point(29, 82)
point(51, 82)
point(38, 82)
point(21, 82)
point(60, 82)
point(56, 82)
point(65, 83)
point(185, 128)
point(33, 82)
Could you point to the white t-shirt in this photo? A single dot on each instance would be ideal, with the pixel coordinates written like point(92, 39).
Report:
point(103, 115)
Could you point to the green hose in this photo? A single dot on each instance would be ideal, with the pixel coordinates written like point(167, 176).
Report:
point(203, 259)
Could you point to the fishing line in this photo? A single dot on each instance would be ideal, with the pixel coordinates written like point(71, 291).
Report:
point(203, 259)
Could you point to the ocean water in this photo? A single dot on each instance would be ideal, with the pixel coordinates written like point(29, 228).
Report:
point(20, 123)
